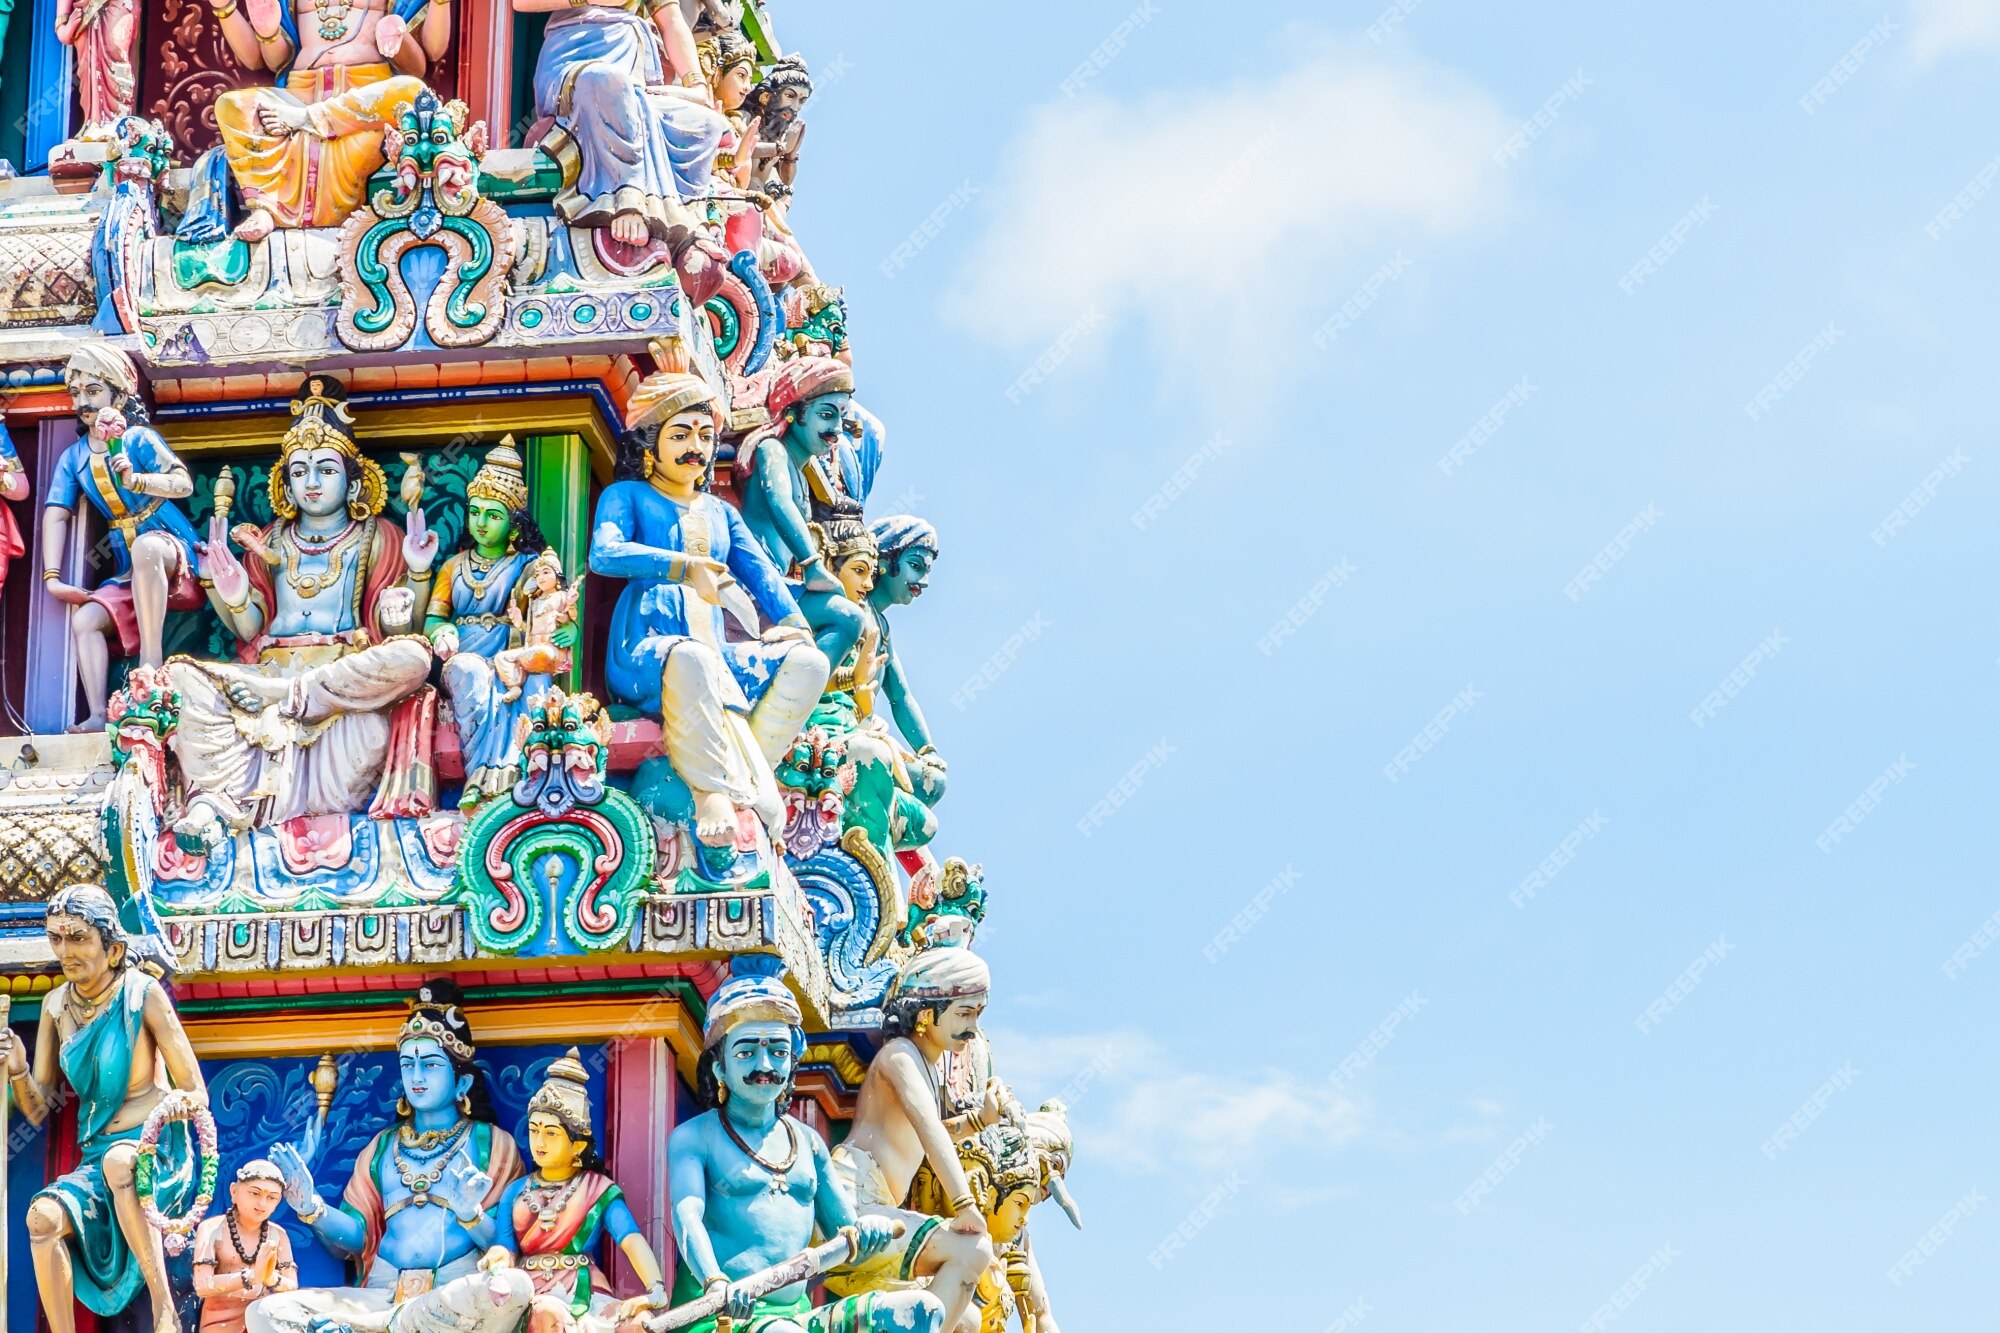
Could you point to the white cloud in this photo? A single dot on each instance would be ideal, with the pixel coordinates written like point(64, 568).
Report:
point(1949, 27)
point(1135, 1106)
point(1247, 205)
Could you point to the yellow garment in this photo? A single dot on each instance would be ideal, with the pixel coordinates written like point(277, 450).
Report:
point(314, 178)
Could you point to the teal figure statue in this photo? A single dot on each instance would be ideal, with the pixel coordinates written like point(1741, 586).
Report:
point(795, 480)
point(751, 1184)
point(728, 707)
point(419, 1210)
point(105, 1034)
point(906, 549)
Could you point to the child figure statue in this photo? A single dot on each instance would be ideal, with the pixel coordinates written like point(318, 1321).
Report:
point(542, 605)
point(242, 1256)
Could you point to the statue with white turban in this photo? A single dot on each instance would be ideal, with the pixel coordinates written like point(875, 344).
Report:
point(933, 1008)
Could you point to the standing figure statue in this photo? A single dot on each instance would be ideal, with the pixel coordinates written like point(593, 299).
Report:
point(126, 472)
point(469, 624)
point(419, 1211)
point(13, 487)
point(793, 479)
point(633, 133)
point(908, 549)
point(774, 107)
point(302, 152)
point(933, 1008)
point(729, 707)
point(752, 1185)
point(243, 1256)
point(108, 1033)
point(553, 1219)
point(303, 725)
point(101, 33)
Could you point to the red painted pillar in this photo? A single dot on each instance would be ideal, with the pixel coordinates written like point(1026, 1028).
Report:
point(485, 58)
point(642, 1091)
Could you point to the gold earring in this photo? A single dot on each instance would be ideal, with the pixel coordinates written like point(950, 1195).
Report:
point(403, 1108)
point(465, 1104)
point(646, 466)
point(923, 1023)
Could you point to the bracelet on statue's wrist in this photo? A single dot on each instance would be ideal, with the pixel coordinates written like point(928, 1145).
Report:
point(311, 1217)
point(962, 1202)
point(714, 1282)
point(224, 10)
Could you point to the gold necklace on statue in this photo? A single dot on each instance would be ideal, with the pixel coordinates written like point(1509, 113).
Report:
point(310, 586)
point(332, 16)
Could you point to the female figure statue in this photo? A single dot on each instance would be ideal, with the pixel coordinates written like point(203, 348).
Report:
point(110, 1041)
point(633, 130)
point(468, 624)
point(552, 1219)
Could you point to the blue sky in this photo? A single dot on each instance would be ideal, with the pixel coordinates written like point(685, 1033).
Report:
point(1183, 220)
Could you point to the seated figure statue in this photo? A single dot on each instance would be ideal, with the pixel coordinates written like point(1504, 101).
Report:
point(729, 708)
point(302, 152)
point(302, 725)
point(468, 624)
point(792, 480)
point(419, 1212)
point(554, 1219)
point(752, 1185)
point(621, 86)
point(933, 1009)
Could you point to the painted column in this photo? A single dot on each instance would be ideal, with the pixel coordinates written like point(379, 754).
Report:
point(559, 482)
point(49, 704)
point(486, 68)
point(49, 82)
point(641, 1090)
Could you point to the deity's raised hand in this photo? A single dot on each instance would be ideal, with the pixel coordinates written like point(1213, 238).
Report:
point(219, 564)
point(299, 1191)
point(420, 544)
point(390, 33)
point(467, 1185)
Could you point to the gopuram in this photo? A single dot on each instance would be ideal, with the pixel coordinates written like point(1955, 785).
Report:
point(471, 856)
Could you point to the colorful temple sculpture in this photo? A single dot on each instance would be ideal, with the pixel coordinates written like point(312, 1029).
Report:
point(466, 827)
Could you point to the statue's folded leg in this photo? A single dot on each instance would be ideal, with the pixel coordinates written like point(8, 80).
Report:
point(363, 682)
point(789, 699)
point(215, 758)
point(708, 746)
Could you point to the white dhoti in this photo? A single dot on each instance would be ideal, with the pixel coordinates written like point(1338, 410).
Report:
point(715, 748)
point(319, 745)
point(461, 1299)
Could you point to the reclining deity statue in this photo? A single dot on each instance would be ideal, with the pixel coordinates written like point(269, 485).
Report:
point(420, 1211)
point(123, 469)
point(933, 1008)
point(792, 479)
point(752, 1185)
point(303, 724)
point(729, 707)
point(111, 1042)
point(630, 124)
point(302, 152)
point(470, 624)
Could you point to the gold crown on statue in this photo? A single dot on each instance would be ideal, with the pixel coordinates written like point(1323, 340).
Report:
point(325, 422)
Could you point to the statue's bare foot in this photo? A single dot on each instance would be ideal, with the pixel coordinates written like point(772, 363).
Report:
point(95, 722)
point(629, 229)
point(200, 831)
point(714, 820)
point(280, 117)
point(257, 223)
point(245, 698)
